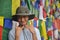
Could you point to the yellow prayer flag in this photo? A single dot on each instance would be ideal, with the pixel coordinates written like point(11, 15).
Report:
point(52, 17)
point(1, 21)
point(31, 22)
point(44, 33)
point(33, 0)
point(54, 6)
point(15, 5)
point(58, 5)
point(47, 3)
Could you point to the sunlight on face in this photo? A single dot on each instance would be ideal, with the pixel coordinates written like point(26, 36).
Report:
point(23, 19)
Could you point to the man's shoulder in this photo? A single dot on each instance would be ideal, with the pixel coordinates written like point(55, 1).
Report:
point(37, 33)
point(36, 29)
point(12, 31)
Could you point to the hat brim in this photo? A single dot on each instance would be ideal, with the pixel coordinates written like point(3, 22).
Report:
point(15, 17)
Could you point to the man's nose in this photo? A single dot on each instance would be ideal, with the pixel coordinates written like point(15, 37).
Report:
point(22, 19)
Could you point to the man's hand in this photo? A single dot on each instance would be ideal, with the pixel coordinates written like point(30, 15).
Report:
point(17, 32)
point(31, 28)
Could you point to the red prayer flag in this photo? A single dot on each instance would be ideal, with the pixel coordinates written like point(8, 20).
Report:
point(44, 13)
point(1, 32)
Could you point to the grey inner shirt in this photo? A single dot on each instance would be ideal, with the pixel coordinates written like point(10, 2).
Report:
point(25, 35)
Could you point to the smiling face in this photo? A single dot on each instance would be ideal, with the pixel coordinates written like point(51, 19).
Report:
point(23, 20)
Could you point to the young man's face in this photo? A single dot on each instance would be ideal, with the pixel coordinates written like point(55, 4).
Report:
point(23, 19)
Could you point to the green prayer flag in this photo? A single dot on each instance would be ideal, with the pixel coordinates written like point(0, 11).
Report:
point(39, 26)
point(5, 34)
point(5, 8)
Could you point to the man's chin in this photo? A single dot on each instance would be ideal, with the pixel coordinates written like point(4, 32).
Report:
point(24, 24)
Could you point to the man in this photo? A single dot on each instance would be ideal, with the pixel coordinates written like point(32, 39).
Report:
point(24, 31)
